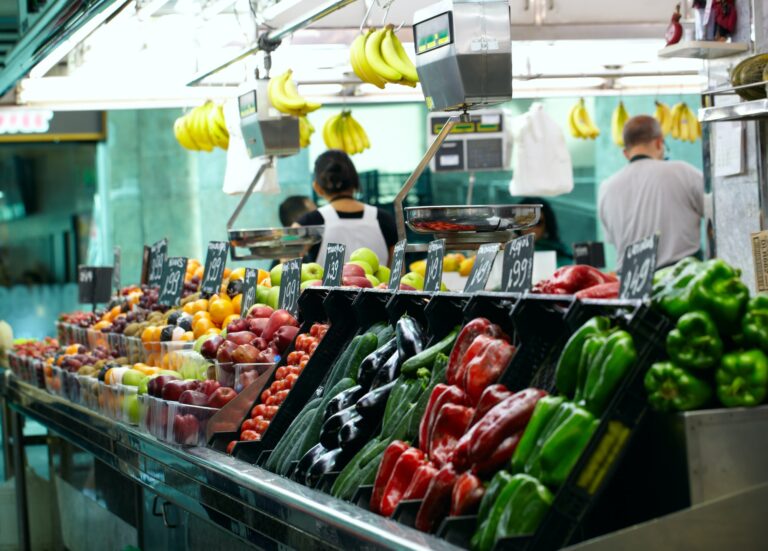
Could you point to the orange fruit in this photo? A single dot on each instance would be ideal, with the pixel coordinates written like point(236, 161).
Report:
point(237, 301)
point(199, 272)
point(200, 315)
point(201, 326)
point(188, 336)
point(156, 332)
point(263, 274)
point(189, 307)
point(201, 305)
point(237, 273)
point(146, 335)
point(213, 331)
point(227, 271)
point(219, 310)
point(229, 319)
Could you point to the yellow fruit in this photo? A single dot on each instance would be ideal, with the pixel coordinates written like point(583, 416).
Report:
point(465, 268)
point(219, 311)
point(420, 267)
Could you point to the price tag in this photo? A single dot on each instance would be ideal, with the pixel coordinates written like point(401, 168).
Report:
point(172, 280)
point(289, 286)
point(334, 264)
point(435, 254)
point(94, 284)
point(249, 290)
point(398, 261)
point(116, 269)
point(146, 253)
point(86, 281)
point(517, 270)
point(481, 269)
point(215, 261)
point(157, 255)
point(637, 268)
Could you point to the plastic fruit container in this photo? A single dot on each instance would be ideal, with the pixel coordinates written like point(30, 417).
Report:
point(48, 376)
point(134, 349)
point(163, 354)
point(97, 338)
point(89, 391)
point(153, 416)
point(189, 364)
point(239, 376)
point(71, 385)
point(127, 407)
point(187, 423)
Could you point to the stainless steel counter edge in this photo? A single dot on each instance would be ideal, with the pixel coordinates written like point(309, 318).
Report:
point(251, 502)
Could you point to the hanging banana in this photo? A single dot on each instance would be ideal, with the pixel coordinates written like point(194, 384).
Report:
point(378, 57)
point(580, 123)
point(343, 132)
point(618, 120)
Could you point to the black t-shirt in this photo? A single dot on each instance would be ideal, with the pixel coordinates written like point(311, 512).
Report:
point(386, 225)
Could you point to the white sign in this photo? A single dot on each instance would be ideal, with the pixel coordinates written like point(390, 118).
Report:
point(24, 121)
point(727, 148)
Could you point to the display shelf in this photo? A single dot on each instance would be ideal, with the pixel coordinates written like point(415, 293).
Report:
point(248, 501)
point(701, 49)
point(743, 111)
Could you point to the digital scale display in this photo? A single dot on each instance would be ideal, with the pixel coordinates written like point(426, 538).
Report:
point(247, 104)
point(433, 33)
point(478, 124)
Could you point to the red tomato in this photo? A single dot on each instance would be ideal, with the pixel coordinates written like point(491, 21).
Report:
point(281, 372)
point(304, 363)
point(249, 424)
point(276, 386)
point(313, 347)
point(291, 379)
point(272, 401)
point(258, 410)
point(265, 396)
point(263, 426)
point(249, 435)
point(294, 369)
point(231, 446)
point(280, 396)
point(294, 357)
point(271, 411)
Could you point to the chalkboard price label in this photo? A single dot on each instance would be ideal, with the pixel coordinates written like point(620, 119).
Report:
point(94, 284)
point(637, 268)
point(398, 262)
point(85, 284)
point(157, 255)
point(116, 269)
point(215, 261)
point(435, 254)
point(481, 269)
point(334, 264)
point(249, 290)
point(172, 280)
point(290, 286)
point(517, 270)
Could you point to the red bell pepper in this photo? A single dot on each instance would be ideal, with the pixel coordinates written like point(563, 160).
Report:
point(467, 493)
point(420, 481)
point(441, 395)
point(387, 465)
point(437, 501)
point(406, 466)
point(491, 396)
point(476, 327)
point(485, 360)
point(604, 290)
point(493, 463)
point(451, 422)
point(504, 420)
point(570, 279)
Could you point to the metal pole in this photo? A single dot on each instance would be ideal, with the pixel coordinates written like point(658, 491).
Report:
point(20, 481)
point(247, 194)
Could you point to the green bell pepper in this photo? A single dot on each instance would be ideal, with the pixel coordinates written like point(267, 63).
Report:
point(719, 290)
point(755, 322)
point(518, 509)
point(567, 373)
point(542, 414)
point(672, 388)
point(592, 347)
point(495, 487)
point(672, 286)
point(694, 343)
point(742, 379)
point(605, 373)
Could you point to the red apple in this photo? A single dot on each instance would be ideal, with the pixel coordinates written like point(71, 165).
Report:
point(404, 287)
point(193, 398)
point(210, 346)
point(356, 281)
point(156, 384)
point(260, 343)
point(172, 390)
point(209, 387)
point(186, 429)
point(284, 337)
point(224, 354)
point(237, 325)
point(260, 312)
point(221, 397)
point(382, 286)
point(241, 337)
point(277, 320)
point(257, 325)
point(352, 270)
point(245, 354)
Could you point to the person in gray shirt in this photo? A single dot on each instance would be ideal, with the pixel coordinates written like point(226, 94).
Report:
point(651, 195)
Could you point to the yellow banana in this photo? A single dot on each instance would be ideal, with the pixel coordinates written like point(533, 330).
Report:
point(360, 64)
point(274, 89)
point(216, 128)
point(346, 139)
point(572, 123)
point(376, 61)
point(182, 135)
point(330, 133)
point(288, 93)
point(200, 128)
point(355, 131)
point(394, 55)
point(618, 120)
point(583, 123)
point(663, 114)
point(361, 133)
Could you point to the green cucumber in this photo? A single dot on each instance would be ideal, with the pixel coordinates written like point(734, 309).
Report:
point(284, 454)
point(368, 343)
point(311, 435)
point(285, 442)
point(426, 358)
point(438, 376)
point(349, 478)
point(397, 423)
point(340, 366)
point(365, 476)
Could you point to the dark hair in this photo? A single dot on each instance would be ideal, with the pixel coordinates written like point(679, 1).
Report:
point(295, 207)
point(547, 216)
point(641, 130)
point(335, 172)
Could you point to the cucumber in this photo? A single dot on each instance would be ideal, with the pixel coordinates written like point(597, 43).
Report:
point(396, 425)
point(387, 334)
point(341, 363)
point(368, 343)
point(349, 478)
point(287, 444)
point(366, 475)
point(426, 358)
point(438, 376)
point(311, 435)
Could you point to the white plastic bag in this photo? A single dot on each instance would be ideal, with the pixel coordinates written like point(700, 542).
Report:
point(541, 160)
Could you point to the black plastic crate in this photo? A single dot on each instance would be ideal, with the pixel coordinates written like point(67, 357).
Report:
point(362, 497)
point(443, 312)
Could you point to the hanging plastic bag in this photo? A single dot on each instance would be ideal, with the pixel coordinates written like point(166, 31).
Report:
point(541, 160)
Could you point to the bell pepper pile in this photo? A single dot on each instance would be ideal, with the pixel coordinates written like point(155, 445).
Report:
point(469, 429)
point(581, 280)
point(719, 343)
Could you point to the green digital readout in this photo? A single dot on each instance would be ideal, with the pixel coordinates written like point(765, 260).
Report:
point(433, 33)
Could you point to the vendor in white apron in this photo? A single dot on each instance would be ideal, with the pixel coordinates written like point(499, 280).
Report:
point(346, 219)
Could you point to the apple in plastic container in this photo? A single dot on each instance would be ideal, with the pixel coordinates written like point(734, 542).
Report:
point(364, 254)
point(209, 386)
point(237, 325)
point(277, 320)
point(352, 270)
point(155, 385)
point(194, 398)
point(310, 271)
point(284, 337)
point(172, 390)
point(241, 337)
point(221, 397)
point(357, 281)
point(246, 354)
point(257, 325)
point(209, 347)
point(186, 429)
point(260, 311)
point(224, 353)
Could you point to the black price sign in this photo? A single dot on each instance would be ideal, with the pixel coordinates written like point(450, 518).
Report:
point(481, 269)
point(249, 290)
point(290, 286)
point(172, 280)
point(398, 261)
point(94, 284)
point(86, 281)
point(637, 268)
point(215, 261)
point(435, 254)
point(116, 269)
point(517, 270)
point(157, 255)
point(334, 264)
point(591, 253)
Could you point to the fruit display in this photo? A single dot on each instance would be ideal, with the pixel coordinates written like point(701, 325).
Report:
point(751, 70)
point(580, 280)
point(685, 124)
point(580, 123)
point(618, 119)
point(343, 132)
point(716, 352)
point(203, 128)
point(284, 96)
point(378, 57)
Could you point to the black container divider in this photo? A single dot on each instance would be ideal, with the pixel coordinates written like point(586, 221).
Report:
point(370, 307)
point(444, 312)
point(406, 511)
point(494, 306)
point(263, 456)
point(458, 530)
point(603, 454)
point(362, 497)
point(291, 469)
point(326, 481)
point(408, 302)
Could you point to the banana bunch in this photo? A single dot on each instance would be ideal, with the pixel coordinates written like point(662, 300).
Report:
point(305, 131)
point(684, 123)
point(378, 57)
point(345, 133)
point(285, 97)
point(580, 123)
point(618, 119)
point(203, 128)
point(663, 114)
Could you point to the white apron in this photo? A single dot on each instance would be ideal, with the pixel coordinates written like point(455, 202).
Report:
point(354, 233)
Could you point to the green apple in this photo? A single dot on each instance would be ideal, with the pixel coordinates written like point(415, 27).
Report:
point(199, 343)
point(311, 271)
point(169, 372)
point(133, 377)
point(311, 283)
point(368, 256)
point(262, 293)
point(373, 279)
point(276, 274)
point(383, 274)
point(274, 297)
point(364, 265)
point(443, 286)
point(144, 382)
point(131, 408)
point(414, 280)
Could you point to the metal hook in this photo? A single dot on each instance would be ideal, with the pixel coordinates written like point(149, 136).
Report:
point(386, 12)
point(367, 14)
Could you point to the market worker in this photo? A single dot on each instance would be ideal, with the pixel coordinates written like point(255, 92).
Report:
point(293, 208)
point(346, 219)
point(652, 195)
